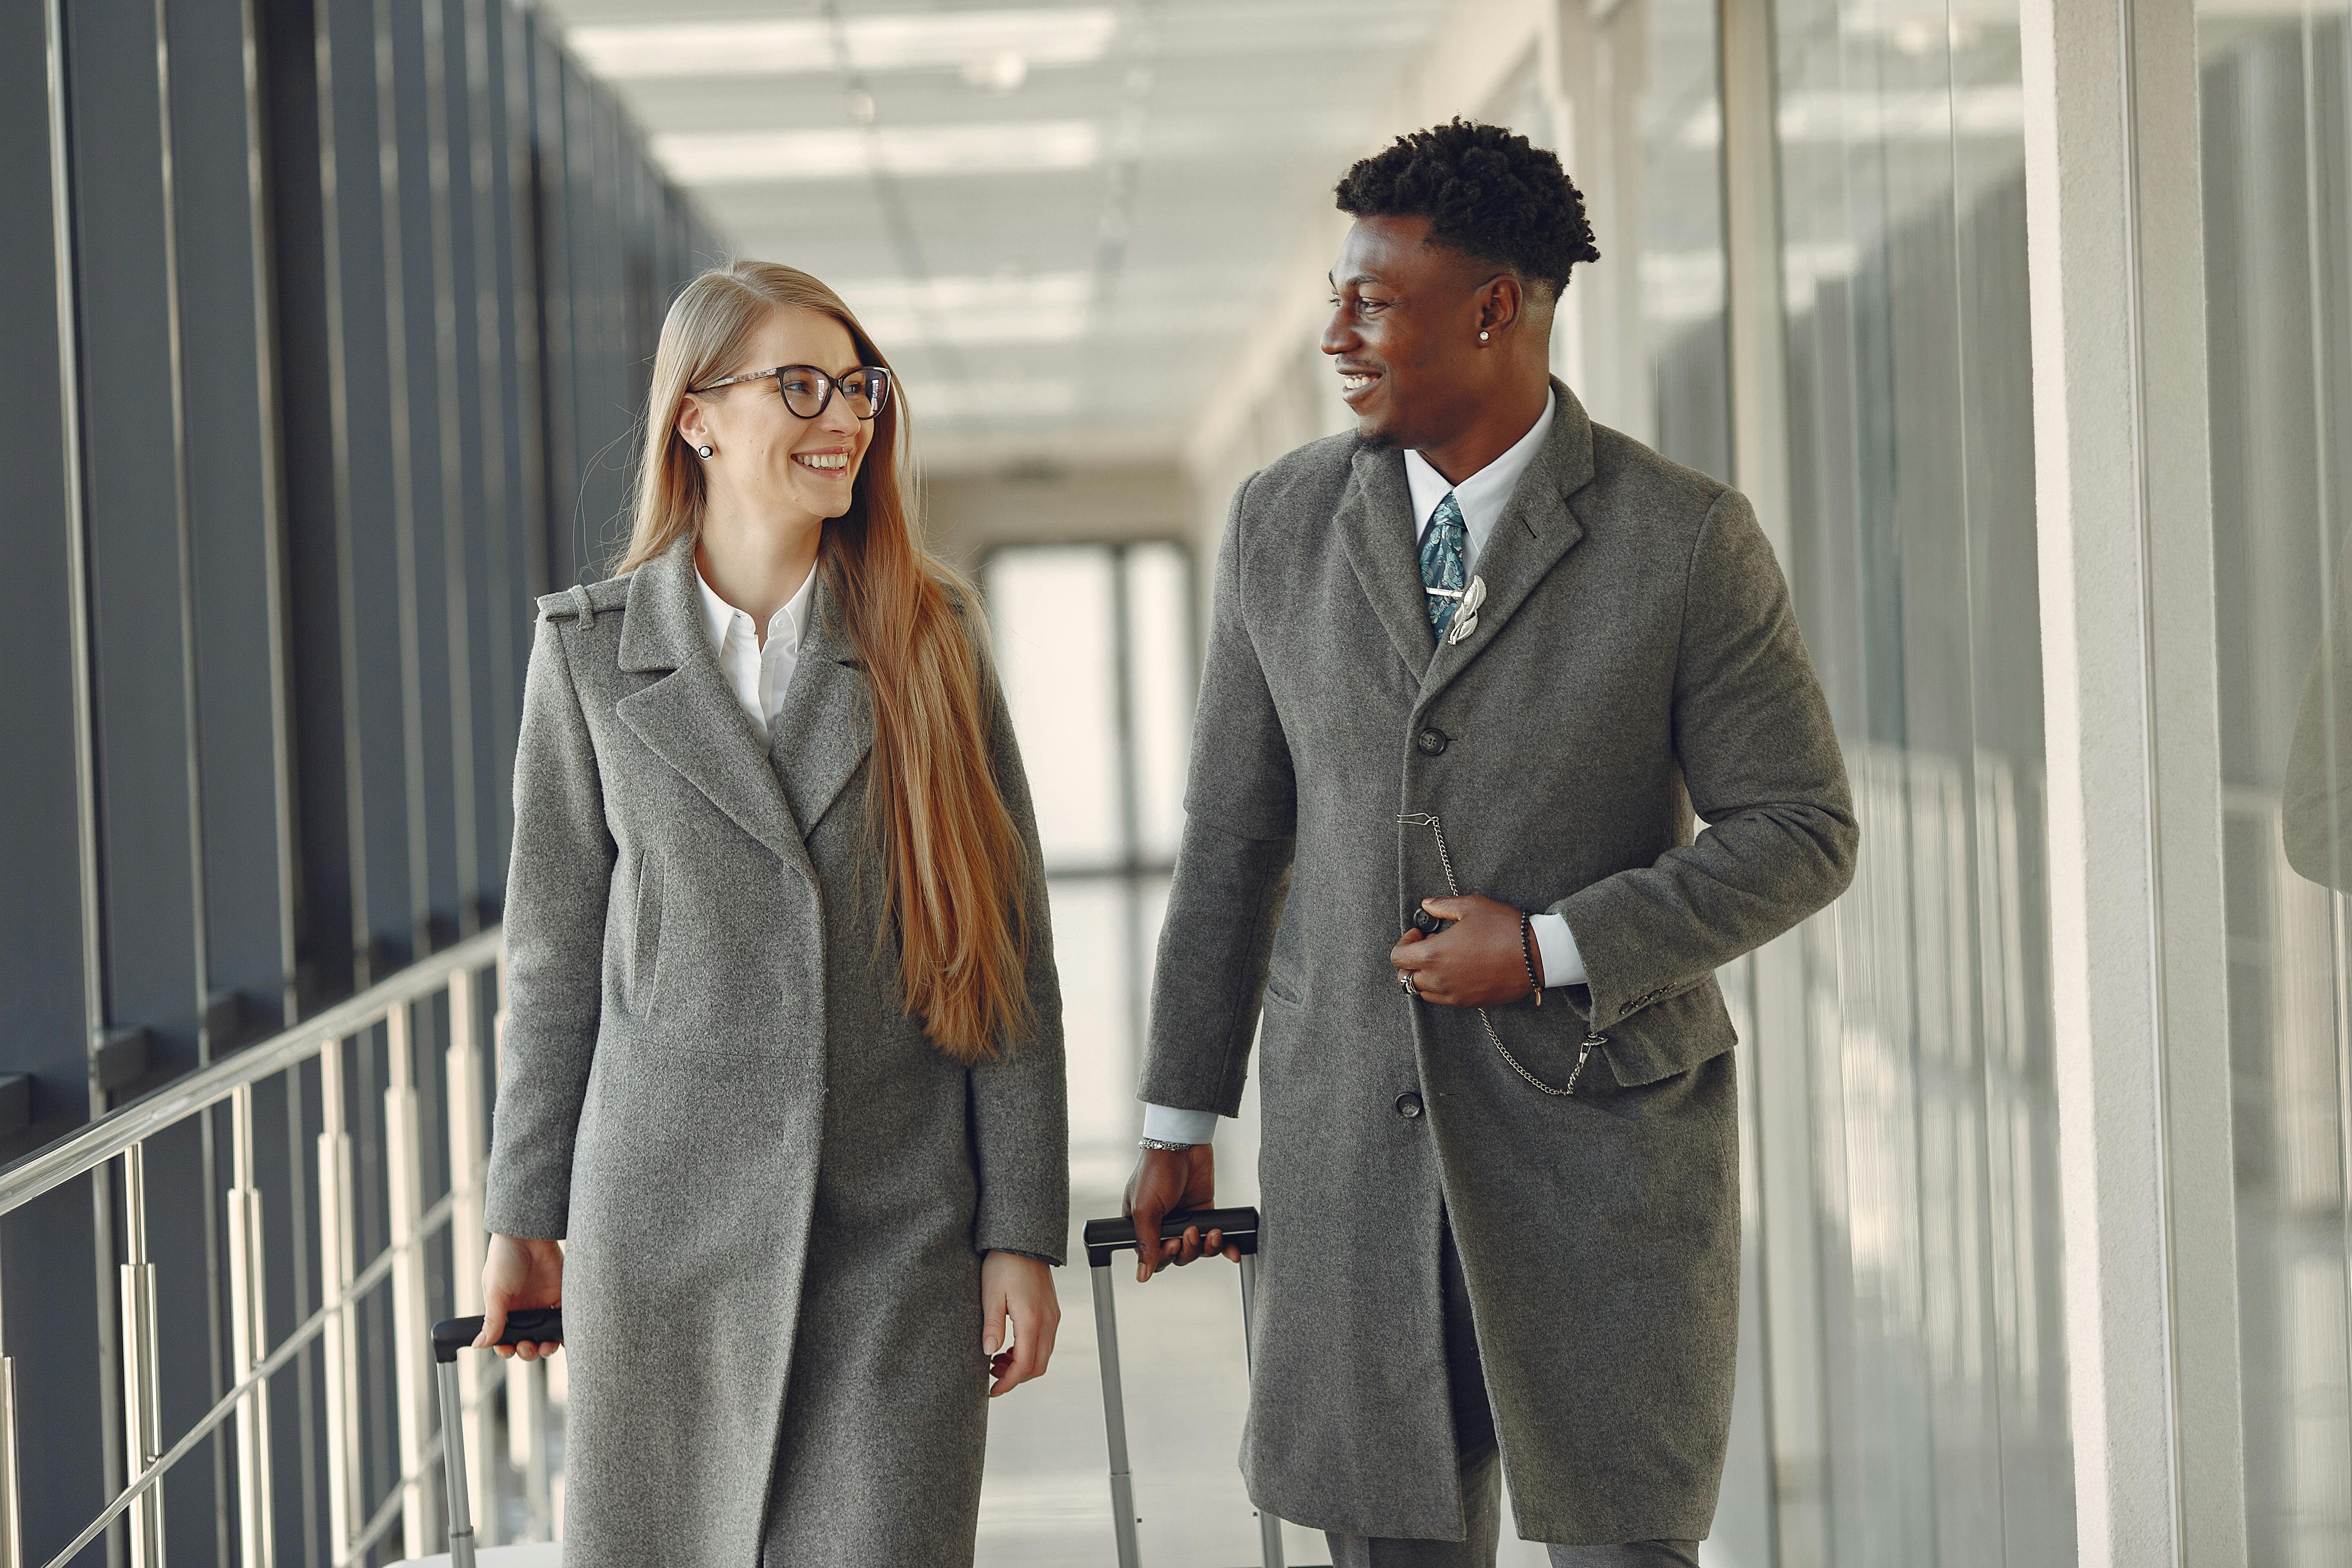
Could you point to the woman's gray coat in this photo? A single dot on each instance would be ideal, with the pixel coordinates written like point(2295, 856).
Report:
point(775, 1190)
point(1636, 657)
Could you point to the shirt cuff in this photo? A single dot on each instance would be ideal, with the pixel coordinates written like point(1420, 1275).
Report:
point(1562, 964)
point(1170, 1125)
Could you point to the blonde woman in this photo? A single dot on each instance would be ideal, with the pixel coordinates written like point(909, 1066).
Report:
point(783, 1059)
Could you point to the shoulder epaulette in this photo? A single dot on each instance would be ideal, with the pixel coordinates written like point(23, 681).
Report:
point(582, 601)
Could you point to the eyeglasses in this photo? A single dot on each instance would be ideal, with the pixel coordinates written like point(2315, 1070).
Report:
point(807, 390)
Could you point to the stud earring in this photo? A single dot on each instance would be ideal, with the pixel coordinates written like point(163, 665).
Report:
point(703, 452)
point(1482, 337)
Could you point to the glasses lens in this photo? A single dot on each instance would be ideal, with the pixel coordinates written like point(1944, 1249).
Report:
point(803, 389)
point(867, 390)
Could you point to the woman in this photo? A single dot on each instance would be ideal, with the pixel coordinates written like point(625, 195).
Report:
point(783, 1059)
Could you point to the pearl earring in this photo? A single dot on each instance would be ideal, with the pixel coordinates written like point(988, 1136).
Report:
point(703, 452)
point(1482, 337)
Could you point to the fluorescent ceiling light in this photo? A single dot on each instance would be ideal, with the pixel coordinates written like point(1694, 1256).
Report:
point(725, 157)
point(1042, 308)
point(622, 51)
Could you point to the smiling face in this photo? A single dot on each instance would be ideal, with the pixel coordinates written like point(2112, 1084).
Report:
point(763, 453)
point(1405, 319)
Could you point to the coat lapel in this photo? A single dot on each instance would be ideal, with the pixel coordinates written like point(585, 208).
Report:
point(690, 718)
point(826, 725)
point(1376, 528)
point(1538, 527)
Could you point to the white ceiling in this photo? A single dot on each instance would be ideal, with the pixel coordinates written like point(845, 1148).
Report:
point(1057, 219)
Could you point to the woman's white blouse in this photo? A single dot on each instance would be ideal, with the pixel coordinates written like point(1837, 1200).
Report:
point(759, 674)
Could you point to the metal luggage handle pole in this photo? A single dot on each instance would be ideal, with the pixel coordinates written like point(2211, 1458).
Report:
point(449, 1337)
point(1104, 1239)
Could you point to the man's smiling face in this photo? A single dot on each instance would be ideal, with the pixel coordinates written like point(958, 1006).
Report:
point(1404, 332)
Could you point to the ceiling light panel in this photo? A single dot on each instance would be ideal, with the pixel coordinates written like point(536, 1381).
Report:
point(987, 44)
point(737, 157)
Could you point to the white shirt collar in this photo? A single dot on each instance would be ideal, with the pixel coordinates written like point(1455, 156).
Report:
point(720, 618)
point(1484, 494)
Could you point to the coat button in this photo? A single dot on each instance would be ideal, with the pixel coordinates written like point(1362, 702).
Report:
point(1408, 1105)
point(1431, 741)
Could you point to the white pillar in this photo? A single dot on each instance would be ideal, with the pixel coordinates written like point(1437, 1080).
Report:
point(2127, 626)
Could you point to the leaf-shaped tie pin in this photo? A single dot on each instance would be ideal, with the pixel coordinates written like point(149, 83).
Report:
point(1465, 613)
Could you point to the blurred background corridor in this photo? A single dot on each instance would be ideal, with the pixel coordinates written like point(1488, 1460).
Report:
point(328, 330)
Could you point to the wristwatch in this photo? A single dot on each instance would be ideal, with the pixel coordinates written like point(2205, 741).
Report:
point(1164, 1146)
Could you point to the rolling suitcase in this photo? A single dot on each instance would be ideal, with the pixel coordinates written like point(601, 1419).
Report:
point(448, 1339)
point(1105, 1238)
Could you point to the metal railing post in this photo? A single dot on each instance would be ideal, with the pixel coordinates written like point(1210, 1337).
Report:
point(413, 1374)
point(250, 1344)
point(12, 1514)
point(141, 1405)
point(468, 1156)
point(337, 1266)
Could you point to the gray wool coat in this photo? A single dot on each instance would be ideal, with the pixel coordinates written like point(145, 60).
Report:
point(773, 1189)
point(1635, 658)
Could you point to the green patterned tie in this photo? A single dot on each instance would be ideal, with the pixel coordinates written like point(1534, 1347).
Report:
point(1442, 563)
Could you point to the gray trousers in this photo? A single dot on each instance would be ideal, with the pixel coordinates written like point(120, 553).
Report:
point(1482, 1471)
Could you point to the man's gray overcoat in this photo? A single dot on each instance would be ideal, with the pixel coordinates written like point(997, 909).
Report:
point(775, 1190)
point(1636, 657)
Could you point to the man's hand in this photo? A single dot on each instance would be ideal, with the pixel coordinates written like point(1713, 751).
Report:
point(516, 1276)
point(1022, 1288)
point(1166, 1183)
point(1475, 963)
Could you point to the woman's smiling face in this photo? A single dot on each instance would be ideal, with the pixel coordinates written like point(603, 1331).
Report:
point(760, 446)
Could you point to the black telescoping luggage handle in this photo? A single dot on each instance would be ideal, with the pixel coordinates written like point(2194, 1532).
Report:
point(541, 1325)
point(1106, 1236)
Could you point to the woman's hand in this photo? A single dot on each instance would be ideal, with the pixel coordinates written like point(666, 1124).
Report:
point(517, 1275)
point(1022, 1288)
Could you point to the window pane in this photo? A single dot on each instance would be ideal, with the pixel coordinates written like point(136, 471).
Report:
point(1159, 681)
point(2278, 274)
point(1051, 613)
point(1917, 1110)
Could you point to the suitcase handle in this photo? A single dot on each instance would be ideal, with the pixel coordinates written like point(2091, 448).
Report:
point(1106, 1236)
point(543, 1325)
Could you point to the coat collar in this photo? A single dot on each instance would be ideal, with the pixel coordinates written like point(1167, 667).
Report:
point(690, 719)
point(1536, 528)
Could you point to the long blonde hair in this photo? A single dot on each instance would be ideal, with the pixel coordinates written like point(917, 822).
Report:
point(955, 865)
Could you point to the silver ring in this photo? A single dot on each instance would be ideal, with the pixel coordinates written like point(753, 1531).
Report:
point(1404, 978)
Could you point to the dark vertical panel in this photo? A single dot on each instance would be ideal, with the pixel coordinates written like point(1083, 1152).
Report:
point(476, 516)
point(130, 437)
point(232, 512)
point(43, 1031)
point(373, 511)
point(412, 259)
point(552, 209)
point(313, 420)
point(50, 1306)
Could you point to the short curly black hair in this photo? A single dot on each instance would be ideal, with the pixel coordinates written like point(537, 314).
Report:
point(1487, 191)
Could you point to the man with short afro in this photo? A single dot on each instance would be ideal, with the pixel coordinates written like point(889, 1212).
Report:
point(1474, 671)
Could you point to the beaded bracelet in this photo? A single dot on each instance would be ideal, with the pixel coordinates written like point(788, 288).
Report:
point(1527, 957)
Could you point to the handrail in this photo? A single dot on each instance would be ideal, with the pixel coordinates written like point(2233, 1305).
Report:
point(87, 1148)
point(313, 1327)
point(475, 1021)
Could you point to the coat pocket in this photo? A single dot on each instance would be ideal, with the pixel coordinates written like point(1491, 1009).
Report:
point(1670, 1037)
point(643, 981)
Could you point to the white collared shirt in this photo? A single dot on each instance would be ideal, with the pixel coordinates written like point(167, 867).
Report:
point(759, 674)
point(1482, 497)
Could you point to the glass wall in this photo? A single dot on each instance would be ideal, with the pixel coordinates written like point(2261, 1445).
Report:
point(1095, 646)
point(2278, 258)
point(1904, 1118)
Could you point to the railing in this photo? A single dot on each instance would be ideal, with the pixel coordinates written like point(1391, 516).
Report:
point(123, 1135)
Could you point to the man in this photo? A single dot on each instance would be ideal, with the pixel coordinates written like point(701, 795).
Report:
point(1470, 670)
